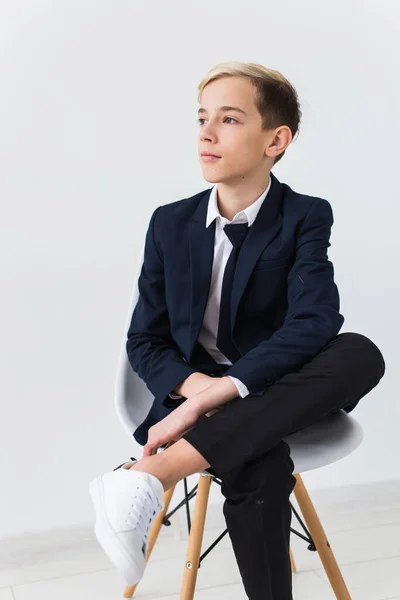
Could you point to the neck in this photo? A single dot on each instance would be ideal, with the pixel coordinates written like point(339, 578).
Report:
point(231, 199)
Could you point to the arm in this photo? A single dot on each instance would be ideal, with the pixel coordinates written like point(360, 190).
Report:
point(197, 382)
point(151, 350)
point(313, 318)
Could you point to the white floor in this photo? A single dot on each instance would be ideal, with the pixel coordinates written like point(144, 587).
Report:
point(362, 524)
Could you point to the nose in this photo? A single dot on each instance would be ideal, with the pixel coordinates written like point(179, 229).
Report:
point(207, 134)
point(209, 139)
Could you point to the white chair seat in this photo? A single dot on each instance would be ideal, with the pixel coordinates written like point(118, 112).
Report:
point(323, 443)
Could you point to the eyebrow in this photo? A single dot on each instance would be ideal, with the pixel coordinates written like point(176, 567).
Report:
point(224, 109)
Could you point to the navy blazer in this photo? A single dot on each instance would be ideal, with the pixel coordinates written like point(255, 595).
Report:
point(284, 303)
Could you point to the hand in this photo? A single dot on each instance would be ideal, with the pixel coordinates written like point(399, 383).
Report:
point(172, 427)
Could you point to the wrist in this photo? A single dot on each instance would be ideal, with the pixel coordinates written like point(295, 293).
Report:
point(195, 383)
point(221, 391)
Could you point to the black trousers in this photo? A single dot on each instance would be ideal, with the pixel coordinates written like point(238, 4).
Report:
point(244, 446)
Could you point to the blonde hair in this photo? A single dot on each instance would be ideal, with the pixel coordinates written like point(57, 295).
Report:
point(276, 99)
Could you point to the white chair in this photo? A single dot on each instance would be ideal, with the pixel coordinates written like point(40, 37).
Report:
point(323, 443)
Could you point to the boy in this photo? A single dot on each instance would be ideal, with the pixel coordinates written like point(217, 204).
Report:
point(236, 333)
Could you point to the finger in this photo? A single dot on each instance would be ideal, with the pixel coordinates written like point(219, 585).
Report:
point(212, 412)
point(148, 450)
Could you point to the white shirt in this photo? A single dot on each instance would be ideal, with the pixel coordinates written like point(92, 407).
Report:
point(222, 249)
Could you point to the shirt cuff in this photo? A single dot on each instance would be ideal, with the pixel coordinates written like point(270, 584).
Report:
point(242, 389)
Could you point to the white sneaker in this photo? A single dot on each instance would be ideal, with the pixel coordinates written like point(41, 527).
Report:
point(126, 504)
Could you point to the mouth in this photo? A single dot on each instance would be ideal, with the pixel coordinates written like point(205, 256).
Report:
point(206, 156)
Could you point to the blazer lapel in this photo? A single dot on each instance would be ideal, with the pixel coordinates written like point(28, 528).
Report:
point(201, 249)
point(265, 227)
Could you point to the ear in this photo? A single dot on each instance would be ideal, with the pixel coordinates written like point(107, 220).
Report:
point(279, 141)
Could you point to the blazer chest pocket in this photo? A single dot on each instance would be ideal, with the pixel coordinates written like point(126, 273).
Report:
point(268, 264)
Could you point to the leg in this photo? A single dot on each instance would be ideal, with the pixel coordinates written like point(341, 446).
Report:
point(258, 517)
point(338, 377)
point(244, 445)
point(173, 464)
point(347, 369)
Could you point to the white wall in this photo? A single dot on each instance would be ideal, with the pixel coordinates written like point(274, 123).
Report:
point(98, 111)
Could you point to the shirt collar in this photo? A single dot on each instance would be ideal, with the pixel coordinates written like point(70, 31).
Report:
point(248, 215)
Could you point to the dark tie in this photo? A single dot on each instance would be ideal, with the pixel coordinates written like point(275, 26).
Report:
point(236, 233)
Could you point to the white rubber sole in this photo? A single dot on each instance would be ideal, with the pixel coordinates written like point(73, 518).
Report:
point(109, 540)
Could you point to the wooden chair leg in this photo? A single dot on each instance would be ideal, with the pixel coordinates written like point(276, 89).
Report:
point(293, 564)
point(321, 542)
point(153, 535)
point(195, 539)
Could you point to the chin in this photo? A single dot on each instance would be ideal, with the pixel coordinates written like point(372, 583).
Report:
point(213, 175)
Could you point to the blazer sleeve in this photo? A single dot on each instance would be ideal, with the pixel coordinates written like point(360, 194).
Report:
point(313, 318)
point(151, 350)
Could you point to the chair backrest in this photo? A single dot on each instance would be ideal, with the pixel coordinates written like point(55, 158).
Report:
point(132, 397)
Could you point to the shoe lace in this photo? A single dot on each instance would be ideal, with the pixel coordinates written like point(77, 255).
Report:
point(143, 513)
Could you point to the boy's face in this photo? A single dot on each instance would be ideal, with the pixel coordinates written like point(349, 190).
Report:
point(236, 137)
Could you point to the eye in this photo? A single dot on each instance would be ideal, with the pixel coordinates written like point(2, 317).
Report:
point(231, 118)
